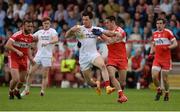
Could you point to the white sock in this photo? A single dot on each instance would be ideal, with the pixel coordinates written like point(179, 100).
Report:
point(27, 87)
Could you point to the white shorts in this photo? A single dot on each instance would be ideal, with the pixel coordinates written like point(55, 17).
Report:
point(86, 61)
point(43, 61)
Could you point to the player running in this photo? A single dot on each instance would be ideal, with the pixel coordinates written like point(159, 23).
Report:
point(163, 42)
point(46, 37)
point(88, 51)
point(19, 55)
point(117, 58)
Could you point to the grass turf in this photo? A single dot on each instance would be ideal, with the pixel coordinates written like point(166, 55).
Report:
point(57, 99)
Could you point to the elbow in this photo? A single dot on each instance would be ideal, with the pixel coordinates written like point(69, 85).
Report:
point(176, 44)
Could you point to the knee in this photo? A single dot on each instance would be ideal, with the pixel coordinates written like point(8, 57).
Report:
point(16, 79)
point(154, 76)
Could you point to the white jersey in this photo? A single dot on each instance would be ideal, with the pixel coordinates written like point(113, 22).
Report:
point(88, 40)
point(45, 36)
point(88, 51)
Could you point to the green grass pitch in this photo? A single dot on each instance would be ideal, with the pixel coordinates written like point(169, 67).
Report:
point(58, 99)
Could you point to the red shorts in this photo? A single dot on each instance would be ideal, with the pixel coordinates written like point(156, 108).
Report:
point(162, 65)
point(18, 63)
point(120, 64)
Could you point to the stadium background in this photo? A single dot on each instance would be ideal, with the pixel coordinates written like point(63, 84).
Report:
point(137, 17)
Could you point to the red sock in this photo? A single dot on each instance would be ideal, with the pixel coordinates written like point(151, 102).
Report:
point(107, 83)
point(120, 93)
point(159, 90)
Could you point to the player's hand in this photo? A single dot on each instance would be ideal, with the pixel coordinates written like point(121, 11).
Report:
point(32, 61)
point(165, 48)
point(19, 53)
point(97, 32)
point(150, 57)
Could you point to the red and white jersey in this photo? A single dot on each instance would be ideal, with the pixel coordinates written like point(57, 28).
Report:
point(21, 42)
point(161, 39)
point(117, 50)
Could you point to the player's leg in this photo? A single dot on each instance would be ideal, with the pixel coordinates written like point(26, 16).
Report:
point(156, 81)
point(122, 80)
point(45, 72)
point(166, 84)
point(15, 79)
point(22, 75)
point(87, 74)
point(46, 65)
point(97, 78)
point(99, 62)
point(28, 79)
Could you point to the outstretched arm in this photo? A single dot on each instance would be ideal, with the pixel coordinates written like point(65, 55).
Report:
point(71, 32)
point(109, 36)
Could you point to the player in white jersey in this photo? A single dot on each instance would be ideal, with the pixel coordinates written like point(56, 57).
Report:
point(46, 38)
point(88, 51)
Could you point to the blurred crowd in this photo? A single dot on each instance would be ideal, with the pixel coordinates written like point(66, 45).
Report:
point(136, 17)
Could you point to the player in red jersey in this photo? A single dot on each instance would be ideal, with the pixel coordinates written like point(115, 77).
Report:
point(117, 58)
point(163, 42)
point(19, 55)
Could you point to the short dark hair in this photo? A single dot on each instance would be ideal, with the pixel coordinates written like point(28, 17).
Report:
point(46, 19)
point(89, 14)
point(161, 19)
point(111, 18)
point(27, 21)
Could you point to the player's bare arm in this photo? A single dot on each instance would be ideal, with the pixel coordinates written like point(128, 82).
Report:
point(30, 55)
point(71, 32)
point(53, 41)
point(9, 45)
point(152, 48)
point(174, 44)
point(111, 40)
point(113, 34)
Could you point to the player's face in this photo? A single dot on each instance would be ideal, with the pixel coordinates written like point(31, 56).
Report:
point(109, 25)
point(86, 21)
point(28, 27)
point(160, 25)
point(46, 25)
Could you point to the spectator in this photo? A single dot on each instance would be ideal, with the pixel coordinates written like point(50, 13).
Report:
point(166, 7)
point(60, 13)
point(71, 20)
point(174, 29)
point(111, 7)
point(2, 17)
point(137, 66)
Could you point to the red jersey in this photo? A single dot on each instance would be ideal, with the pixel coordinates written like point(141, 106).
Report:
point(161, 39)
point(117, 50)
point(21, 42)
